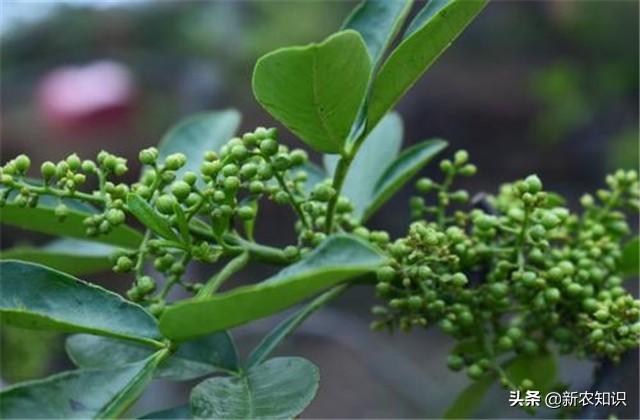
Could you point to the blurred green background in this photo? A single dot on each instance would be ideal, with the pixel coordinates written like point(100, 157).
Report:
point(549, 87)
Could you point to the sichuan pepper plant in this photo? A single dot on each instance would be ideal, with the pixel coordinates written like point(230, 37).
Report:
point(513, 280)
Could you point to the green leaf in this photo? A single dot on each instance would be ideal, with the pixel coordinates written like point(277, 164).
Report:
point(73, 256)
point(286, 327)
point(103, 393)
point(402, 170)
point(182, 222)
point(629, 263)
point(540, 369)
point(37, 297)
point(430, 33)
point(150, 218)
point(193, 359)
point(379, 148)
point(315, 90)
point(43, 219)
point(279, 388)
point(198, 134)
point(338, 259)
point(469, 400)
point(378, 22)
point(178, 412)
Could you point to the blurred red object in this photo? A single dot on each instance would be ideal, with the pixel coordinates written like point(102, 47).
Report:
point(92, 96)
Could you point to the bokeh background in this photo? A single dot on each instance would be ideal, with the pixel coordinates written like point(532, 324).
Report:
point(547, 87)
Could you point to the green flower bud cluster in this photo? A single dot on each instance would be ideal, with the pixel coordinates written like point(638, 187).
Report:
point(459, 166)
point(523, 279)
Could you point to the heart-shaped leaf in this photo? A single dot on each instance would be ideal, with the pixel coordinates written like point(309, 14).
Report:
point(316, 90)
point(279, 388)
point(71, 256)
point(338, 259)
point(429, 34)
point(379, 148)
point(198, 134)
point(378, 22)
point(630, 261)
point(34, 296)
point(95, 393)
point(401, 170)
point(195, 358)
point(150, 218)
point(44, 220)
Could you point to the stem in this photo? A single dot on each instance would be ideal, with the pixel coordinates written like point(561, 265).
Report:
point(56, 192)
point(295, 203)
point(441, 210)
point(216, 281)
point(338, 181)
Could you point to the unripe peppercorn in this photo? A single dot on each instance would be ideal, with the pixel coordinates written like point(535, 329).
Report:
point(48, 170)
point(246, 212)
point(156, 309)
point(175, 161)
point(323, 193)
point(291, 252)
point(190, 178)
point(239, 152)
point(61, 212)
point(22, 163)
point(385, 274)
point(248, 170)
point(552, 295)
point(115, 217)
point(210, 169)
point(146, 284)
point(123, 264)
point(424, 185)
point(298, 157)
point(269, 147)
point(231, 183)
point(165, 204)
point(475, 371)
point(281, 162)
point(533, 184)
point(180, 190)
point(455, 362)
point(148, 156)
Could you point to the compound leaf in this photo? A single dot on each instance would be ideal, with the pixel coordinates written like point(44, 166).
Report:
point(429, 34)
point(379, 148)
point(37, 297)
point(315, 90)
point(338, 259)
point(193, 359)
point(378, 22)
point(95, 393)
point(279, 388)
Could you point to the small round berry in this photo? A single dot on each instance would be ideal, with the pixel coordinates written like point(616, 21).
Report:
point(115, 217)
point(165, 204)
point(246, 213)
point(180, 190)
point(175, 161)
point(22, 163)
point(146, 284)
point(533, 184)
point(148, 156)
point(48, 170)
point(269, 147)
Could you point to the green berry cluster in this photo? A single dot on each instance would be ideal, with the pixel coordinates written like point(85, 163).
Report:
point(522, 277)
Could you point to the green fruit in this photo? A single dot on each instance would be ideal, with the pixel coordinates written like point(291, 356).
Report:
point(115, 217)
point(61, 211)
point(148, 156)
point(210, 169)
point(146, 284)
point(239, 152)
point(533, 184)
point(231, 183)
point(455, 362)
point(230, 170)
point(180, 190)
point(246, 212)
point(385, 274)
point(175, 161)
point(190, 178)
point(165, 204)
point(123, 264)
point(22, 163)
point(48, 170)
point(475, 371)
point(269, 147)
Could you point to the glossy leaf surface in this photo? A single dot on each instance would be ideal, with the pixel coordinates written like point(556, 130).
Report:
point(379, 149)
point(102, 393)
point(178, 412)
point(72, 256)
point(198, 134)
point(429, 34)
point(149, 217)
point(401, 170)
point(192, 359)
point(338, 259)
point(378, 21)
point(278, 388)
point(315, 90)
point(34, 296)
